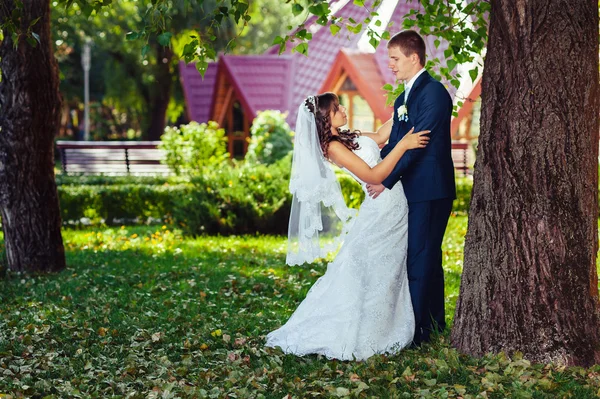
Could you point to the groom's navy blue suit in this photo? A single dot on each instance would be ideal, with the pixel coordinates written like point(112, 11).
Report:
point(427, 175)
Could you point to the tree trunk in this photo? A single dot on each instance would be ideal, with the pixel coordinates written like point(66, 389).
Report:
point(161, 93)
point(29, 120)
point(529, 282)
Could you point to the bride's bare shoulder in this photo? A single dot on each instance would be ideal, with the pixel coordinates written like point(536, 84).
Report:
point(337, 147)
point(339, 154)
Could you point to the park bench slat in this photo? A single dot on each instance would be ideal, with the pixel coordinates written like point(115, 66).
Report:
point(112, 157)
point(460, 157)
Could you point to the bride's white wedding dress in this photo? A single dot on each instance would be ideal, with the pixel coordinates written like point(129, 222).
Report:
point(361, 306)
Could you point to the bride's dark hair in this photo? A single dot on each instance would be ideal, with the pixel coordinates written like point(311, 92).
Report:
point(325, 103)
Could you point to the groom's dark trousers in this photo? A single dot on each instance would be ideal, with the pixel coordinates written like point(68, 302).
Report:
point(427, 176)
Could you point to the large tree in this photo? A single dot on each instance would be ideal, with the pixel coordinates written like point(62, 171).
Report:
point(29, 120)
point(529, 281)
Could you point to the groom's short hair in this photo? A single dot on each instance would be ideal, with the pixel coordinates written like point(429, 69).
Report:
point(409, 42)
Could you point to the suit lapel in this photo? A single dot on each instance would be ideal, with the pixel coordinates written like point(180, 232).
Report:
point(397, 121)
point(420, 80)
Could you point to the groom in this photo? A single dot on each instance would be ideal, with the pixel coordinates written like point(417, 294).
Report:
point(427, 176)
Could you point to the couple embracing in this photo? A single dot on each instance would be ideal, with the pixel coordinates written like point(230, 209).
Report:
point(384, 291)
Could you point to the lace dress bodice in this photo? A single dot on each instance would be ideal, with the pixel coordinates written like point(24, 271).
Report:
point(368, 151)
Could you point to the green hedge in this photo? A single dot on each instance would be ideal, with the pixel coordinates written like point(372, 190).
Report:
point(231, 200)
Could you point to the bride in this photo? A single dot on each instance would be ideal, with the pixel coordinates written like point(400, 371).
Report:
point(361, 306)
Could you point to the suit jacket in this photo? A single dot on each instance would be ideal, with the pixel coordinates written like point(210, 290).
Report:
point(426, 173)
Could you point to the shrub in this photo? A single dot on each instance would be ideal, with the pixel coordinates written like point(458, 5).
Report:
point(120, 203)
point(237, 200)
point(271, 138)
point(193, 147)
point(228, 200)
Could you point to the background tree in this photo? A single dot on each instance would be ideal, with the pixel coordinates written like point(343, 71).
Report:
point(129, 84)
point(29, 119)
point(137, 69)
point(529, 281)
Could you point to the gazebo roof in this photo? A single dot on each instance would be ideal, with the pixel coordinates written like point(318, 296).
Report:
point(362, 70)
point(198, 92)
point(260, 82)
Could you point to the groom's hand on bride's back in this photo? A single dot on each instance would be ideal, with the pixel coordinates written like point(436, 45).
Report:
point(375, 189)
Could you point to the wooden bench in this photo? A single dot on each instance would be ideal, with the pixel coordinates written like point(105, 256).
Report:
point(460, 157)
point(111, 157)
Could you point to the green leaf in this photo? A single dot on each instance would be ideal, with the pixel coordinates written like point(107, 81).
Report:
point(474, 73)
point(132, 36)
point(354, 29)
point(189, 50)
point(451, 64)
point(202, 66)
point(302, 34)
point(145, 50)
point(301, 48)
point(374, 42)
point(320, 10)
point(165, 38)
point(334, 29)
point(35, 21)
point(408, 23)
point(359, 3)
point(87, 10)
point(297, 9)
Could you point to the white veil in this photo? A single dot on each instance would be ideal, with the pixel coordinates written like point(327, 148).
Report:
point(319, 218)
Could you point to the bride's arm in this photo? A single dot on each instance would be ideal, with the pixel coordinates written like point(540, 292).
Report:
point(383, 133)
point(343, 157)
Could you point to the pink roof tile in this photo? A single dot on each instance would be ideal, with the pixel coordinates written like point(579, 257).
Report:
point(261, 81)
point(198, 92)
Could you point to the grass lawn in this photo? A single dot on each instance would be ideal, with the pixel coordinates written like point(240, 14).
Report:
point(143, 313)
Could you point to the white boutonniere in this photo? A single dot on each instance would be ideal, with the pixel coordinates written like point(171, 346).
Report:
point(402, 112)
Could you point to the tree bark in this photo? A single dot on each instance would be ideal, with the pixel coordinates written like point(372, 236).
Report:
point(529, 281)
point(29, 120)
point(161, 93)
